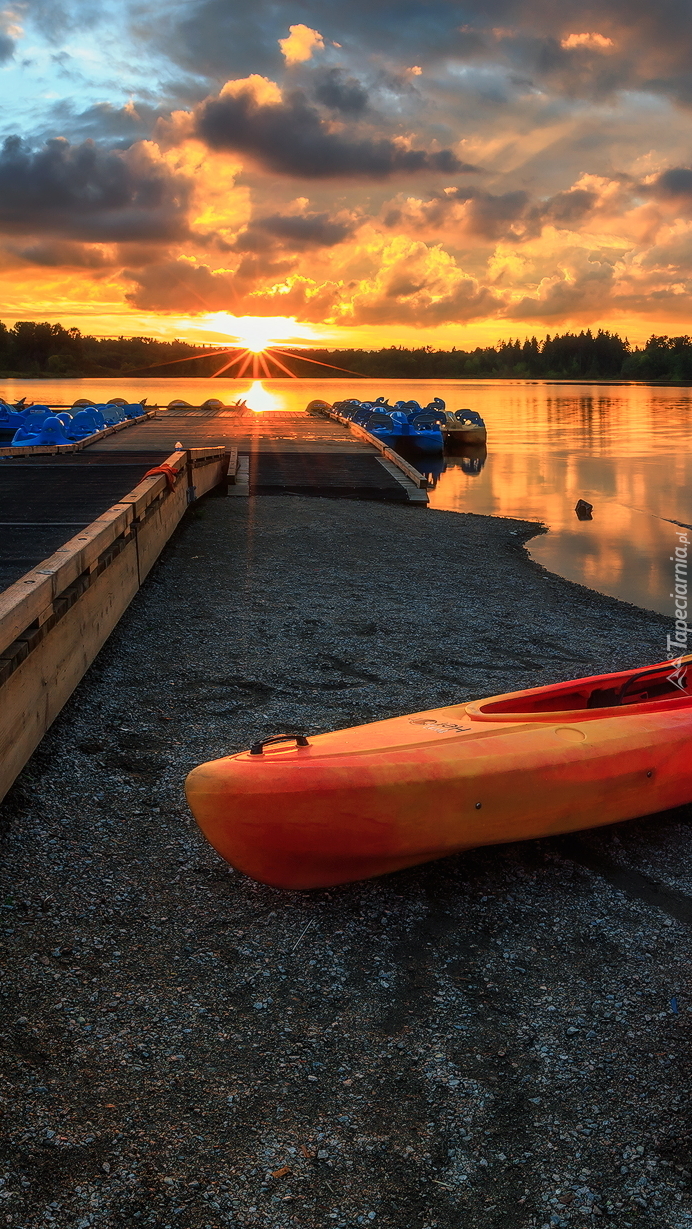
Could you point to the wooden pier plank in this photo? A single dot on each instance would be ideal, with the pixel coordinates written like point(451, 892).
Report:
point(336, 475)
point(282, 434)
point(54, 450)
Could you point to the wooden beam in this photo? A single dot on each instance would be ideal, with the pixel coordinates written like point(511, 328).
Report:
point(24, 601)
point(51, 450)
point(55, 619)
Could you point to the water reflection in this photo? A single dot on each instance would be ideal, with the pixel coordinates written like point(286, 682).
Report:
point(261, 398)
point(473, 458)
point(431, 467)
point(623, 547)
point(622, 447)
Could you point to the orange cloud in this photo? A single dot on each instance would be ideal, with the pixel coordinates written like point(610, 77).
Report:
point(262, 91)
point(301, 44)
point(594, 42)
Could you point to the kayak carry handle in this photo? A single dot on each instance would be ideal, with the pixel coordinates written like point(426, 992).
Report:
point(258, 748)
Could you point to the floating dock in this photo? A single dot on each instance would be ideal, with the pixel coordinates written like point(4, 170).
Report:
point(292, 453)
point(81, 527)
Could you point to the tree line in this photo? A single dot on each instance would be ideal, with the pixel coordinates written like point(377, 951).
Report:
point(30, 349)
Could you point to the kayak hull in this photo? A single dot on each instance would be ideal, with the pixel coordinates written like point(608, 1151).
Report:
point(377, 798)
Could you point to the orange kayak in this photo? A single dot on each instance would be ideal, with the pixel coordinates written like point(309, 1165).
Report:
point(332, 808)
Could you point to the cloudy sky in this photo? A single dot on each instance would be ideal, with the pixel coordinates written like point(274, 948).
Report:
point(371, 172)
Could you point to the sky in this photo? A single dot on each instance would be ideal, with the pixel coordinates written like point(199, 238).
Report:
point(362, 174)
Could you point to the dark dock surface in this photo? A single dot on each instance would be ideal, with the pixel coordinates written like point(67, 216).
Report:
point(336, 476)
point(45, 499)
point(292, 453)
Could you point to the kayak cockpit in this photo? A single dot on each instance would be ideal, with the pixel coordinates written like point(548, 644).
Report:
point(665, 685)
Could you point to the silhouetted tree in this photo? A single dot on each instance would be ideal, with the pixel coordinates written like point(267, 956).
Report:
point(34, 349)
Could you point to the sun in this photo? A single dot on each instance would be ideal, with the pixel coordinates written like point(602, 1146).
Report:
point(255, 333)
point(254, 347)
point(258, 333)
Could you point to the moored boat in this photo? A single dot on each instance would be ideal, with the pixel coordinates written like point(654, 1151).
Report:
point(418, 433)
point(464, 427)
point(308, 812)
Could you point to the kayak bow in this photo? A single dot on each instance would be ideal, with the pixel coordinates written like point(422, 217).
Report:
point(365, 801)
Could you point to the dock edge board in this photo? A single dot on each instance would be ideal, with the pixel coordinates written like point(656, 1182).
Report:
point(367, 437)
point(51, 450)
point(56, 618)
point(414, 493)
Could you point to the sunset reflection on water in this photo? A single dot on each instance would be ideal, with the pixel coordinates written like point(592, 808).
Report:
point(262, 398)
point(623, 447)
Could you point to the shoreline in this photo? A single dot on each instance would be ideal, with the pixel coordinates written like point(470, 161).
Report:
point(443, 1042)
point(356, 375)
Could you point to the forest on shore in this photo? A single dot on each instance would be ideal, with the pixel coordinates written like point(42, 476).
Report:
point(30, 350)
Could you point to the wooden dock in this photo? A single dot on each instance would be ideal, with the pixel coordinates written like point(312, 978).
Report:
point(80, 529)
point(294, 453)
point(56, 617)
point(53, 450)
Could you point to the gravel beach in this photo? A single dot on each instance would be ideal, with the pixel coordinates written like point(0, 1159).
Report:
point(499, 1039)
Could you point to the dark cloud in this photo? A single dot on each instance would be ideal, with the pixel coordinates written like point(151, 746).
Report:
point(296, 231)
point(508, 215)
point(574, 72)
point(222, 39)
point(340, 92)
point(674, 183)
point(7, 47)
point(651, 45)
point(258, 265)
point(672, 189)
point(512, 217)
point(62, 254)
point(136, 255)
point(105, 122)
point(470, 44)
point(270, 245)
point(91, 194)
point(568, 208)
point(218, 39)
point(516, 217)
point(291, 138)
point(179, 286)
point(56, 18)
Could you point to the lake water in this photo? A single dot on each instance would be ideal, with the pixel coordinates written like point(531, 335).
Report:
point(625, 448)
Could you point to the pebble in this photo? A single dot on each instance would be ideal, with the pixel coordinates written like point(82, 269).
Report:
point(487, 1039)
